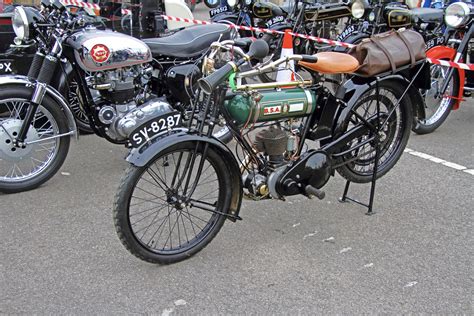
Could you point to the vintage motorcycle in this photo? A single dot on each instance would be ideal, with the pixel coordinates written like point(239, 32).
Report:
point(182, 183)
point(374, 17)
point(16, 58)
point(449, 85)
point(121, 81)
point(313, 19)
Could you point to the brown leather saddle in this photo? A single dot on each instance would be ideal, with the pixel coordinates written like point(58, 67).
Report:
point(332, 63)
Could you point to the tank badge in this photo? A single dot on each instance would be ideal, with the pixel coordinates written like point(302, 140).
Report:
point(272, 110)
point(100, 53)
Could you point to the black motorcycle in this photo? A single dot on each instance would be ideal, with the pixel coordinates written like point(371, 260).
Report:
point(182, 184)
point(309, 19)
point(121, 83)
point(378, 16)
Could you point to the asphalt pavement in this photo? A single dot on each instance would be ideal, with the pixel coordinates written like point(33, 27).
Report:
point(60, 253)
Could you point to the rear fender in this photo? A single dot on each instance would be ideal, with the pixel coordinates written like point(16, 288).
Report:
point(448, 53)
point(23, 81)
point(141, 156)
point(352, 91)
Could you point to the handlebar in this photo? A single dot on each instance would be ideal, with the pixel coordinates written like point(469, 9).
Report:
point(258, 49)
point(273, 66)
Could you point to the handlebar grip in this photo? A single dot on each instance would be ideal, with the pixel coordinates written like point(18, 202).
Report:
point(209, 83)
point(309, 58)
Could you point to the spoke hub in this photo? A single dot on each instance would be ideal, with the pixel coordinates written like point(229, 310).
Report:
point(8, 148)
point(176, 201)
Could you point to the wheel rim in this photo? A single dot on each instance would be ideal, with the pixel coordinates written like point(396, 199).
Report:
point(162, 218)
point(390, 136)
point(436, 105)
point(30, 161)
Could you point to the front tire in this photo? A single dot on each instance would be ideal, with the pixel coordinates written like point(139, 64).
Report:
point(359, 163)
point(184, 226)
point(437, 107)
point(25, 168)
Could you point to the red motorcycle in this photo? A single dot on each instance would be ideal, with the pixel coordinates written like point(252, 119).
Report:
point(449, 85)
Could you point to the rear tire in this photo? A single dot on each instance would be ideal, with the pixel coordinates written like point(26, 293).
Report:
point(150, 188)
point(394, 135)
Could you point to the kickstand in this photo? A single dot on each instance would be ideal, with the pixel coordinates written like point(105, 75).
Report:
point(344, 198)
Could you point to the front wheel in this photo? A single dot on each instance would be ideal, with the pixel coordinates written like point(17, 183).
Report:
point(174, 206)
point(359, 163)
point(26, 167)
point(437, 106)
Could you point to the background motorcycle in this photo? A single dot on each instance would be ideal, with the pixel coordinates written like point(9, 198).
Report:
point(369, 18)
point(116, 66)
point(182, 185)
point(248, 13)
point(314, 19)
point(448, 84)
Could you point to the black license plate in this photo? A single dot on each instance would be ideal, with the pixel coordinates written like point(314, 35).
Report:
point(153, 127)
point(347, 32)
point(6, 66)
point(434, 42)
point(216, 11)
point(275, 20)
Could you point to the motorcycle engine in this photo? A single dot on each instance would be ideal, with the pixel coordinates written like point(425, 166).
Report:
point(121, 95)
point(276, 144)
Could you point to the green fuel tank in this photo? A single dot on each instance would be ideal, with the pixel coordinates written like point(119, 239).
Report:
point(270, 105)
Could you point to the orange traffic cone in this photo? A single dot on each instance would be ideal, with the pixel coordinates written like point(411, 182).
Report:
point(285, 74)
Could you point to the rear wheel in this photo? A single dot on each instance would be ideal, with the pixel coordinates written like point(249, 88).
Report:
point(26, 167)
point(160, 218)
point(359, 163)
point(437, 106)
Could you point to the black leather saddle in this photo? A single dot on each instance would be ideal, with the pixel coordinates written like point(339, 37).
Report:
point(190, 42)
point(427, 15)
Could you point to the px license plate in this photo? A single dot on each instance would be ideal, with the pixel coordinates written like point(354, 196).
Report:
point(6, 66)
point(216, 11)
point(153, 127)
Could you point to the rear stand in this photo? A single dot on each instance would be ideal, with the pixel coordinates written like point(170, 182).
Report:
point(377, 133)
point(344, 198)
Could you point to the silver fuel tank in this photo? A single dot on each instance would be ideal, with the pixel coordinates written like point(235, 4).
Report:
point(97, 50)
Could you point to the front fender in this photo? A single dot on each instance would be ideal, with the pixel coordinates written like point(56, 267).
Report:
point(354, 88)
point(12, 80)
point(141, 156)
point(448, 53)
point(225, 17)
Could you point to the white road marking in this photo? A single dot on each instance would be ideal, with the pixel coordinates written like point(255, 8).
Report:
point(440, 161)
point(345, 250)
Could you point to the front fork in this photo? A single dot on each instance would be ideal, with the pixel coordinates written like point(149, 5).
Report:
point(36, 99)
point(43, 78)
point(461, 49)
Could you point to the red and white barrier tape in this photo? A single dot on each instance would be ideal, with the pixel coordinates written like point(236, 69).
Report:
point(451, 64)
point(312, 38)
point(83, 4)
